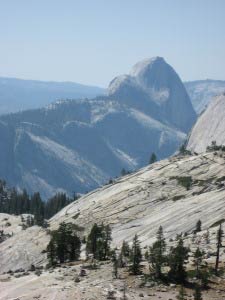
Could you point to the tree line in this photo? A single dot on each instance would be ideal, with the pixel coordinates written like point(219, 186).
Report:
point(17, 203)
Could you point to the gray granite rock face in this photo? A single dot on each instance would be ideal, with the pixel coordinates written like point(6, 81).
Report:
point(209, 127)
point(135, 204)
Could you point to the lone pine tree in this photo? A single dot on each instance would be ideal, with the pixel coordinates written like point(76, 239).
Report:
point(177, 257)
point(198, 257)
point(98, 242)
point(153, 158)
point(218, 246)
point(157, 254)
point(135, 257)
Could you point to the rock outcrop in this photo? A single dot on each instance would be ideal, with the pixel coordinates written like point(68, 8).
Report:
point(174, 193)
point(209, 127)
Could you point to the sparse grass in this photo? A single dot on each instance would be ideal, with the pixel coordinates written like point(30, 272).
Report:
point(178, 197)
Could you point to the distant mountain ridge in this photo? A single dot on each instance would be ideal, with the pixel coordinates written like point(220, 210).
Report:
point(201, 92)
point(20, 94)
point(77, 145)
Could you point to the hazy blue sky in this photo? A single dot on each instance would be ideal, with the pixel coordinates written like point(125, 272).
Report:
point(93, 41)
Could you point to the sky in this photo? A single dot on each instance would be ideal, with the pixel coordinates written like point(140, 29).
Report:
point(92, 41)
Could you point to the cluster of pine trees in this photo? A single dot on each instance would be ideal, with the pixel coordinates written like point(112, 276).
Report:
point(98, 242)
point(14, 202)
point(164, 265)
point(64, 245)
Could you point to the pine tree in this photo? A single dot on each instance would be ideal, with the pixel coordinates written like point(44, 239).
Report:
point(197, 293)
point(98, 242)
point(181, 295)
point(135, 257)
point(177, 257)
point(107, 232)
point(51, 252)
point(92, 241)
point(198, 257)
point(218, 246)
point(198, 226)
point(153, 158)
point(64, 245)
point(125, 249)
point(115, 264)
point(157, 254)
point(124, 255)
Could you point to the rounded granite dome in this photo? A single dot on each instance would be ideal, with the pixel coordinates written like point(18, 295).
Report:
point(154, 73)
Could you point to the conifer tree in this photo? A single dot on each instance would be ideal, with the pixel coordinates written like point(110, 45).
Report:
point(51, 252)
point(218, 246)
point(153, 158)
point(198, 226)
point(157, 253)
point(115, 264)
point(64, 245)
point(181, 295)
point(107, 232)
point(98, 242)
point(125, 249)
point(92, 241)
point(197, 293)
point(124, 255)
point(177, 257)
point(135, 257)
point(198, 257)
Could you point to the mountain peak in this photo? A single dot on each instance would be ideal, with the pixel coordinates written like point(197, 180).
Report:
point(153, 86)
point(145, 64)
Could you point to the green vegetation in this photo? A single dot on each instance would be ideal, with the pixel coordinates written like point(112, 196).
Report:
point(17, 203)
point(181, 295)
point(98, 242)
point(64, 245)
point(185, 181)
point(215, 147)
point(178, 197)
point(153, 158)
point(135, 257)
point(198, 226)
point(183, 150)
point(157, 254)
point(176, 259)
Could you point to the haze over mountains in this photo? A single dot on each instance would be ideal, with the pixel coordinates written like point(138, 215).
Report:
point(201, 92)
point(18, 94)
point(77, 145)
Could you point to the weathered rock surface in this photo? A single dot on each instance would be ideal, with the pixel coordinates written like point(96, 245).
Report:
point(209, 127)
point(137, 203)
